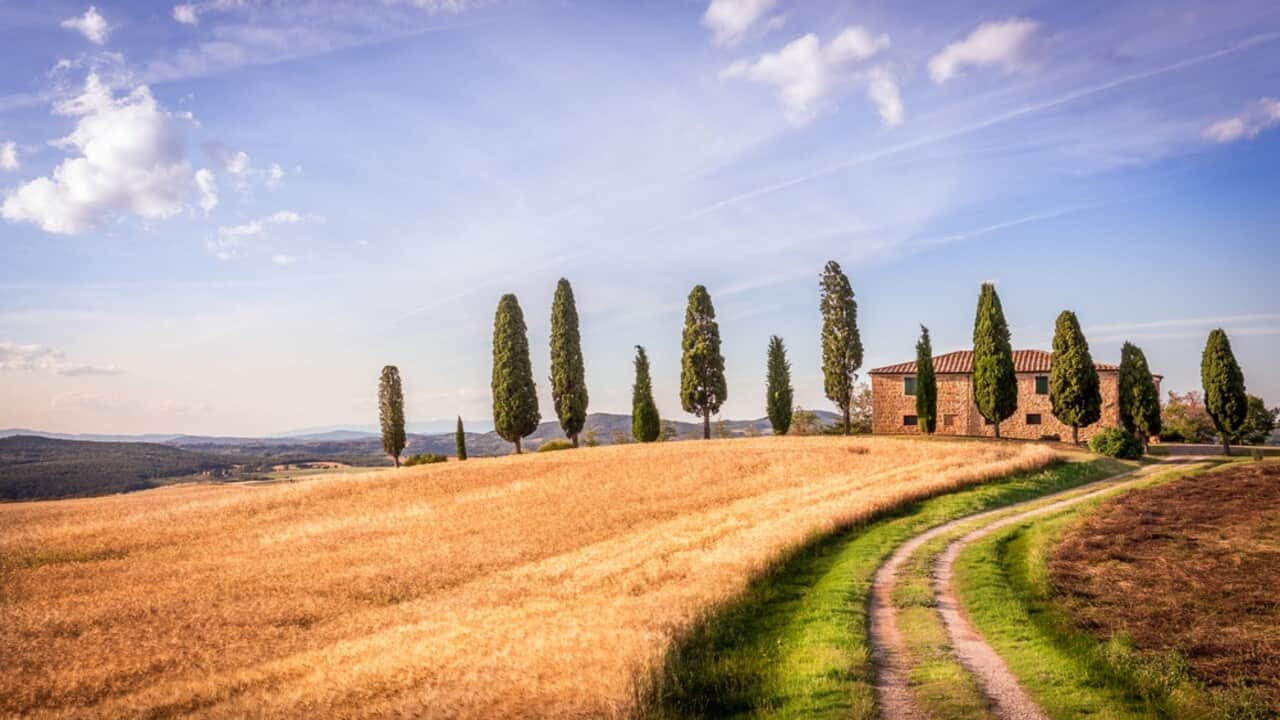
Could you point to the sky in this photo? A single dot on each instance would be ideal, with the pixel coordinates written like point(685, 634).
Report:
point(225, 216)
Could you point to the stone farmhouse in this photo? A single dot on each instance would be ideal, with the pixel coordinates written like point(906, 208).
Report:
point(893, 400)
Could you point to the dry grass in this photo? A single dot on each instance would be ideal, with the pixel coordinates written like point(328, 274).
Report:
point(514, 587)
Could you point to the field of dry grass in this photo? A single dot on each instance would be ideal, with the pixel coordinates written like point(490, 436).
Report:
point(513, 587)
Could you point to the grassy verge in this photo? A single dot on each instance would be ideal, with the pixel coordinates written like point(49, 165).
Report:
point(795, 645)
point(1003, 582)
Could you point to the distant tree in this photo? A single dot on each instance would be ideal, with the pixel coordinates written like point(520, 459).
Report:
point(1139, 400)
point(1074, 390)
point(391, 412)
point(619, 437)
point(751, 430)
point(1185, 418)
point(568, 377)
point(722, 429)
point(669, 431)
point(515, 398)
point(804, 422)
point(1224, 394)
point(590, 437)
point(702, 384)
point(1259, 422)
point(995, 386)
point(926, 385)
point(841, 342)
point(645, 422)
point(779, 394)
point(861, 410)
point(460, 440)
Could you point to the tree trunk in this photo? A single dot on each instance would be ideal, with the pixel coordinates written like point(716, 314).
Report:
point(706, 424)
point(517, 446)
point(1226, 447)
point(848, 423)
point(997, 424)
point(397, 459)
point(1075, 434)
point(575, 439)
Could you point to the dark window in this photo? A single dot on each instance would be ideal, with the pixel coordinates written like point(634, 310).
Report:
point(909, 385)
point(1042, 384)
point(948, 420)
point(909, 420)
point(1033, 418)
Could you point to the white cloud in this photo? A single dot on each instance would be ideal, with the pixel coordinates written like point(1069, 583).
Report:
point(229, 160)
point(186, 14)
point(729, 20)
point(805, 71)
point(9, 156)
point(91, 25)
point(131, 161)
point(230, 240)
point(1258, 116)
point(285, 216)
point(1011, 44)
point(275, 176)
point(208, 186)
point(42, 358)
point(284, 259)
point(883, 92)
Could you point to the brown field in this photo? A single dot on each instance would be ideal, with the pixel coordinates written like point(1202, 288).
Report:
point(1190, 567)
point(516, 587)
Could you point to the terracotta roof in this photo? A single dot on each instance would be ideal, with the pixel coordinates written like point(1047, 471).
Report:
point(961, 361)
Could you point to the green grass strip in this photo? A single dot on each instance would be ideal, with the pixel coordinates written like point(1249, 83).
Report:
point(795, 645)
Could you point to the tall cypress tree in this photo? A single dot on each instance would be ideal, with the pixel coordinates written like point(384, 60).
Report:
point(515, 398)
point(1224, 394)
point(1074, 390)
point(391, 412)
point(926, 385)
point(460, 440)
point(995, 385)
point(1139, 401)
point(841, 342)
point(702, 384)
point(568, 381)
point(645, 423)
point(779, 391)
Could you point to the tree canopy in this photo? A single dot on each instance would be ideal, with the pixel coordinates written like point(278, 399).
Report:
point(702, 384)
point(391, 412)
point(926, 385)
point(568, 376)
point(995, 385)
point(841, 341)
point(779, 393)
point(1074, 390)
point(1224, 392)
point(515, 397)
point(646, 425)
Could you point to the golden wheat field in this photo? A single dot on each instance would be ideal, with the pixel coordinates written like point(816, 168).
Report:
point(542, 585)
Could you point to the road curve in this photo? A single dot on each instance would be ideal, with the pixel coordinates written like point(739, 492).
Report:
point(893, 662)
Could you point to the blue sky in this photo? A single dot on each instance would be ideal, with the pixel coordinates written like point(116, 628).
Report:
point(225, 216)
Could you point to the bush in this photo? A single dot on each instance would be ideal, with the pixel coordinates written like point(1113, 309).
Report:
point(1116, 443)
point(427, 459)
point(553, 445)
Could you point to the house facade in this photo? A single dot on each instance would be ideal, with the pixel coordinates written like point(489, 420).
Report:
point(893, 398)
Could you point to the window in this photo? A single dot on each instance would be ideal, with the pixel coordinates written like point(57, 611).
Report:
point(1042, 384)
point(948, 420)
point(1033, 418)
point(909, 420)
point(909, 385)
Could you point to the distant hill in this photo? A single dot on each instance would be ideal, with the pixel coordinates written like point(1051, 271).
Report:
point(37, 467)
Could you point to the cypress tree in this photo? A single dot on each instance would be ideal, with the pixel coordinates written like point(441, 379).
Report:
point(779, 394)
point(515, 398)
point(1139, 401)
point(1074, 390)
point(926, 385)
point(841, 342)
point(568, 382)
point(702, 384)
point(645, 423)
point(391, 412)
point(460, 440)
point(1224, 393)
point(995, 386)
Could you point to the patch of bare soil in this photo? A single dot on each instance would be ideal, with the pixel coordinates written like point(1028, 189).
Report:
point(1190, 567)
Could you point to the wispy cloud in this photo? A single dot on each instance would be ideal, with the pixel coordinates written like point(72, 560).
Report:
point(1262, 114)
point(730, 20)
point(1013, 45)
point(42, 358)
point(91, 25)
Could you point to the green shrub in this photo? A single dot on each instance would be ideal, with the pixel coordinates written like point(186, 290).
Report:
point(427, 459)
point(1116, 443)
point(553, 445)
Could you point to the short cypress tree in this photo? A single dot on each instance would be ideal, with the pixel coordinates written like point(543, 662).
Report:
point(926, 385)
point(460, 440)
point(702, 385)
point(568, 379)
point(1074, 390)
point(391, 412)
point(645, 423)
point(1224, 393)
point(779, 393)
point(841, 342)
point(995, 385)
point(515, 398)
point(1139, 400)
